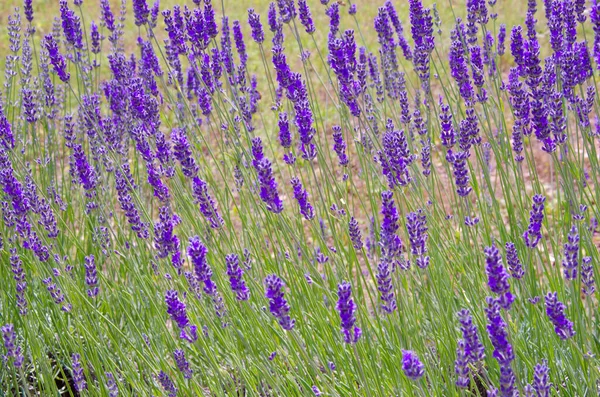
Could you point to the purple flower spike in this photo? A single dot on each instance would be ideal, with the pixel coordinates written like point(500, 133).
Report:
point(141, 12)
point(197, 252)
point(339, 145)
point(10, 344)
point(56, 58)
point(167, 384)
point(391, 245)
point(266, 180)
point(306, 209)
point(570, 262)
point(182, 363)
point(498, 277)
point(305, 17)
point(514, 263)
point(78, 376)
point(235, 273)
point(278, 306)
point(207, 205)
point(474, 349)
point(556, 313)
point(533, 233)
point(385, 287)
point(395, 157)
point(587, 276)
point(91, 276)
point(411, 365)
point(347, 308)
point(355, 234)
point(461, 366)
point(258, 34)
point(541, 380)
point(503, 351)
point(416, 225)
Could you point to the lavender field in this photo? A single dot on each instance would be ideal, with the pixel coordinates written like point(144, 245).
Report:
point(303, 198)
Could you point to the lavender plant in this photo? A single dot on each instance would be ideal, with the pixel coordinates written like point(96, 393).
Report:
point(194, 203)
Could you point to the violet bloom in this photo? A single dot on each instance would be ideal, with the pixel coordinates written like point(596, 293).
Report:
point(266, 180)
point(10, 344)
point(56, 58)
point(306, 209)
point(474, 349)
point(57, 295)
point(91, 276)
point(235, 273)
point(556, 313)
point(416, 225)
point(108, 17)
point(402, 42)
point(16, 265)
point(197, 252)
point(460, 171)
point(411, 365)
point(533, 234)
point(498, 277)
point(355, 234)
point(461, 366)
point(177, 312)
point(391, 245)
point(141, 12)
point(347, 308)
point(385, 287)
point(183, 153)
point(258, 34)
point(182, 364)
point(78, 376)
point(305, 17)
point(587, 276)
point(448, 133)
point(514, 263)
point(422, 33)
point(541, 380)
point(571, 251)
point(128, 206)
point(111, 385)
point(71, 25)
point(28, 10)
point(285, 137)
point(460, 72)
point(279, 307)
point(339, 145)
point(503, 351)
point(595, 19)
point(207, 205)
point(395, 157)
point(167, 384)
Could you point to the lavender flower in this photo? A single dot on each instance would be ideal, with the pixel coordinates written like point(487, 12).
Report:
point(474, 349)
point(258, 34)
point(71, 25)
point(235, 273)
point(141, 12)
point(306, 209)
point(541, 381)
point(461, 365)
point(167, 384)
point(391, 245)
point(197, 252)
point(503, 351)
point(78, 376)
point(91, 276)
point(176, 309)
point(12, 349)
point(395, 157)
point(56, 58)
point(355, 234)
point(305, 17)
point(182, 363)
point(16, 265)
point(571, 251)
point(28, 10)
point(416, 225)
point(268, 186)
point(111, 385)
point(279, 307)
point(207, 205)
point(347, 308)
point(339, 145)
point(587, 276)
point(555, 311)
point(498, 277)
point(514, 263)
point(533, 233)
point(460, 171)
point(411, 365)
point(385, 287)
